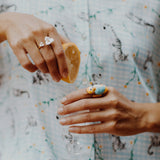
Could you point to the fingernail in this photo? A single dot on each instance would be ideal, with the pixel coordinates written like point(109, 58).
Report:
point(58, 78)
point(63, 99)
point(63, 121)
point(60, 110)
point(73, 129)
point(55, 79)
point(65, 74)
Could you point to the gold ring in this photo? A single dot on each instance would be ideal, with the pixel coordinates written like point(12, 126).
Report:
point(97, 90)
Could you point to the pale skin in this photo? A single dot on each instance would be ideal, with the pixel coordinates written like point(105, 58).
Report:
point(24, 33)
point(114, 113)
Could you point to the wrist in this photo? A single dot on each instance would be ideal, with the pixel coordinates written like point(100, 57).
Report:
point(152, 117)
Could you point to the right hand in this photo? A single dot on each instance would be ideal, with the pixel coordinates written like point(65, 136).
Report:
point(24, 33)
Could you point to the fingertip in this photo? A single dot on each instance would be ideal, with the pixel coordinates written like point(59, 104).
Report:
point(34, 68)
point(62, 121)
point(45, 70)
point(65, 74)
point(60, 111)
point(56, 77)
point(74, 129)
point(63, 100)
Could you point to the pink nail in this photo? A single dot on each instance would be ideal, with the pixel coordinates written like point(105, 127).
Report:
point(73, 129)
point(63, 99)
point(63, 121)
point(60, 110)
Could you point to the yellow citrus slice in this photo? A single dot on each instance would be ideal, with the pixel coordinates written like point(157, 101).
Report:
point(72, 54)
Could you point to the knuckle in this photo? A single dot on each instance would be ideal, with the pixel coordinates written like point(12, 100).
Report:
point(60, 53)
point(26, 38)
point(112, 89)
point(115, 125)
point(40, 63)
point(21, 41)
point(115, 116)
point(16, 44)
point(26, 65)
point(84, 104)
point(37, 30)
point(50, 28)
point(114, 101)
point(50, 60)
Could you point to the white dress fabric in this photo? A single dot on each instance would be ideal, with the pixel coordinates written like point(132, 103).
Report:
point(119, 42)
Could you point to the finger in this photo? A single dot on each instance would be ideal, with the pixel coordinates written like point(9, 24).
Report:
point(59, 53)
point(89, 117)
point(50, 59)
point(24, 60)
point(75, 96)
point(36, 56)
point(82, 105)
point(64, 39)
point(94, 128)
point(80, 94)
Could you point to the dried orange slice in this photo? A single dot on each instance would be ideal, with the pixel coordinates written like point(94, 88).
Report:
point(72, 54)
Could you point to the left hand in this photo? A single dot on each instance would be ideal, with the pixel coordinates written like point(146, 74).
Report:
point(115, 113)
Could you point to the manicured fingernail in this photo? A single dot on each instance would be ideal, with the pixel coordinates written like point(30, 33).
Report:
point(55, 79)
point(60, 110)
point(58, 78)
point(73, 129)
point(63, 99)
point(65, 74)
point(63, 121)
